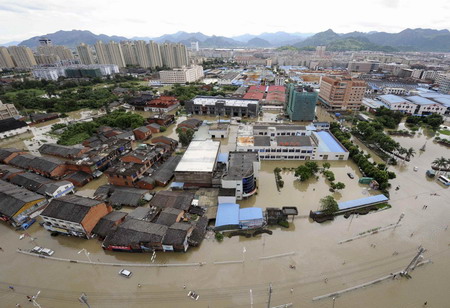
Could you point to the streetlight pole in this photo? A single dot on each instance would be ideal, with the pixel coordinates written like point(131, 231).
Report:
point(33, 298)
point(334, 300)
point(83, 299)
point(86, 254)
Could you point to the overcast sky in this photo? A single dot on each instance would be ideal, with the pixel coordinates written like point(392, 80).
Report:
point(22, 19)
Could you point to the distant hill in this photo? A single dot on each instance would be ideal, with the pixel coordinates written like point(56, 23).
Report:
point(258, 42)
point(13, 43)
point(72, 38)
point(406, 40)
point(220, 41)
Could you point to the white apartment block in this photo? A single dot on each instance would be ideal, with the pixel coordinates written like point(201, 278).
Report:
point(49, 73)
point(182, 75)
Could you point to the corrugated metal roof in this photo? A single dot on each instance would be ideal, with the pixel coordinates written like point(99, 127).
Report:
point(227, 214)
point(363, 201)
point(199, 157)
point(250, 213)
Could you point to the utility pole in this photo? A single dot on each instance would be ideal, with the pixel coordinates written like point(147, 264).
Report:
point(251, 298)
point(270, 295)
point(413, 263)
point(83, 299)
point(86, 254)
point(334, 300)
point(399, 219)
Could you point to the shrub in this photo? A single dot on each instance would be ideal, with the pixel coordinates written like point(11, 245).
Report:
point(219, 236)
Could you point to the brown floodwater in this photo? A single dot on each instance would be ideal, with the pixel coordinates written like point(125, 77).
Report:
point(317, 252)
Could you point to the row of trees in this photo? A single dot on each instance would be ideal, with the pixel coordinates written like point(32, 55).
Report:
point(371, 169)
point(372, 134)
point(433, 120)
point(77, 133)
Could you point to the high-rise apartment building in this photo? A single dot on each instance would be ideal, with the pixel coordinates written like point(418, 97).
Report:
point(110, 53)
point(61, 52)
point(320, 51)
point(85, 54)
point(174, 55)
point(341, 93)
point(301, 103)
point(142, 56)
point(443, 80)
point(154, 53)
point(22, 56)
point(129, 53)
point(6, 60)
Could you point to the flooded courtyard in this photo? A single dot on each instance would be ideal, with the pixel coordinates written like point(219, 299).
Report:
point(321, 264)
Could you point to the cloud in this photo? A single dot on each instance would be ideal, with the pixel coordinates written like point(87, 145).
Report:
point(392, 4)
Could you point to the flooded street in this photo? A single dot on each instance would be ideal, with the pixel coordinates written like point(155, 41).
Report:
point(313, 248)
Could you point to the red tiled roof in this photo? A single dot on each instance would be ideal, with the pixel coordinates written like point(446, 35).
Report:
point(254, 95)
point(276, 89)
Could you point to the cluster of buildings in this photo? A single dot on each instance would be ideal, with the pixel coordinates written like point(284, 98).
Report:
point(425, 103)
point(267, 95)
point(290, 142)
point(75, 71)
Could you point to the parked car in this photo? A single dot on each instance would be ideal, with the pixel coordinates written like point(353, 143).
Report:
point(350, 175)
point(125, 273)
point(193, 295)
point(42, 251)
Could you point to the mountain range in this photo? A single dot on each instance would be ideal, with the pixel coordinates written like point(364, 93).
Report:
point(406, 40)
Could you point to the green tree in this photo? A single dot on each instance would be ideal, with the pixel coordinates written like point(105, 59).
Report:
point(185, 136)
point(313, 166)
point(303, 173)
point(339, 186)
point(410, 153)
point(326, 165)
point(328, 205)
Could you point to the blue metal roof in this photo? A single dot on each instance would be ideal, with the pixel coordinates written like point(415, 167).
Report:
point(392, 99)
point(327, 143)
point(420, 100)
point(177, 185)
point(443, 100)
point(227, 214)
point(363, 201)
point(250, 213)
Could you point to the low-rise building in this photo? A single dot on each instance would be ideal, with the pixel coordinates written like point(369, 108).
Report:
point(426, 106)
point(8, 111)
point(74, 215)
point(135, 236)
point(290, 142)
point(64, 151)
point(11, 127)
point(107, 223)
point(18, 204)
point(191, 123)
point(219, 131)
point(198, 163)
point(213, 105)
point(162, 119)
point(176, 238)
point(142, 133)
point(6, 154)
point(398, 103)
point(242, 171)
